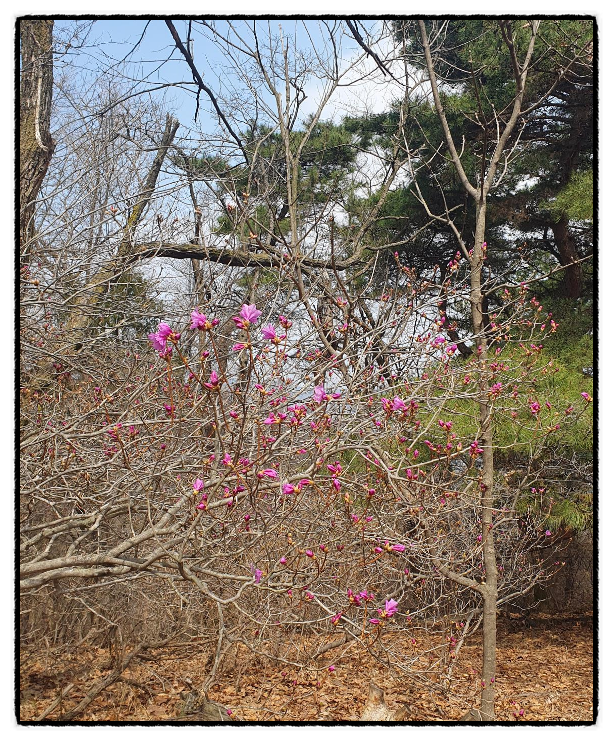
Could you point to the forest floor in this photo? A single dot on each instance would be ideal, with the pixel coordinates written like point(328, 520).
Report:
point(545, 673)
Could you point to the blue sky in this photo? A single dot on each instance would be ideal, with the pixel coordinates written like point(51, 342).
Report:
point(157, 61)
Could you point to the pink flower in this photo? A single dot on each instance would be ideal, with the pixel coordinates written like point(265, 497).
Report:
point(378, 549)
point(158, 343)
point(336, 618)
point(332, 668)
point(283, 560)
point(257, 576)
point(198, 485)
point(319, 394)
point(248, 316)
point(159, 338)
point(239, 346)
point(213, 382)
point(399, 548)
point(586, 396)
point(374, 621)
point(398, 404)
point(269, 332)
point(227, 460)
point(309, 553)
point(284, 322)
point(199, 321)
point(164, 330)
point(547, 533)
point(270, 472)
point(391, 606)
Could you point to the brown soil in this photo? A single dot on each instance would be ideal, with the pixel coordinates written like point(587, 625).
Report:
point(545, 673)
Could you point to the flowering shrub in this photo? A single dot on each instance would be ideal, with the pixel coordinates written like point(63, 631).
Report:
point(291, 486)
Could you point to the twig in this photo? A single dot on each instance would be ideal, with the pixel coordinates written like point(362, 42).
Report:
point(56, 702)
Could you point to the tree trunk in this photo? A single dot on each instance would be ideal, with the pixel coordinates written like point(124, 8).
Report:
point(87, 304)
point(565, 243)
point(490, 588)
point(35, 142)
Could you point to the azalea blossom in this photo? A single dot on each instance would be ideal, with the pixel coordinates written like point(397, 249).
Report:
point(535, 408)
point(227, 460)
point(391, 606)
point(586, 396)
point(198, 485)
point(239, 346)
point(199, 321)
point(213, 382)
point(269, 332)
point(257, 576)
point(270, 472)
point(398, 404)
point(336, 618)
point(248, 316)
point(158, 339)
point(319, 394)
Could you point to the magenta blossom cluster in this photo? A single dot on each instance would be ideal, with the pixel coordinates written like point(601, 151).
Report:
point(357, 599)
point(391, 607)
point(320, 395)
point(268, 472)
point(199, 321)
point(248, 316)
point(160, 338)
point(295, 488)
point(213, 383)
point(270, 333)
